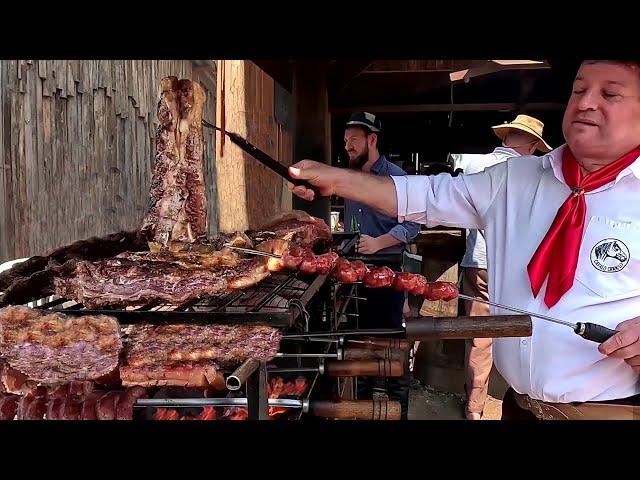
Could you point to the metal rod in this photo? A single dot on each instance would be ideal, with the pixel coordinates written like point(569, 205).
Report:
point(517, 310)
point(308, 355)
point(294, 370)
point(212, 402)
point(272, 294)
point(376, 331)
point(252, 252)
point(240, 375)
point(277, 319)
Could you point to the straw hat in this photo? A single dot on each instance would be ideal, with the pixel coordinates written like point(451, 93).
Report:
point(527, 124)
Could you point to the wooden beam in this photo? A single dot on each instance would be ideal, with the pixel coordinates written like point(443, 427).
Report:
point(460, 107)
point(279, 70)
point(420, 66)
point(311, 125)
point(342, 73)
point(493, 66)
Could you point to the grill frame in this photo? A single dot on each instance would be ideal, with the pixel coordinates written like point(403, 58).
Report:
point(289, 312)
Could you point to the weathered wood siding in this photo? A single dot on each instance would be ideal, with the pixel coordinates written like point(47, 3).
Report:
point(77, 142)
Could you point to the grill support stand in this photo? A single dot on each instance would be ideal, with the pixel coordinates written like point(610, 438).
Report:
point(257, 397)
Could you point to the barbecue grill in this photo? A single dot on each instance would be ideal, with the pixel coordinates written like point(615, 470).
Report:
point(289, 301)
point(312, 312)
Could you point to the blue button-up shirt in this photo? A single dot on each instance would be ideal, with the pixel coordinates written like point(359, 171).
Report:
point(373, 223)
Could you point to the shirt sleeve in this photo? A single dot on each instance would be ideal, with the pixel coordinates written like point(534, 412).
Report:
point(459, 201)
point(405, 232)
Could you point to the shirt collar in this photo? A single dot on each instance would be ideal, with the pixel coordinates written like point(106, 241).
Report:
point(376, 167)
point(506, 151)
point(553, 159)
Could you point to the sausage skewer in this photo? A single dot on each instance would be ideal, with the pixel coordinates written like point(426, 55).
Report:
point(342, 270)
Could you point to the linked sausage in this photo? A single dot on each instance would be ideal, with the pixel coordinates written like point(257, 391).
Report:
point(344, 272)
point(360, 268)
point(9, 407)
point(379, 277)
point(440, 291)
point(405, 282)
point(420, 285)
point(124, 410)
point(326, 262)
point(292, 257)
point(308, 266)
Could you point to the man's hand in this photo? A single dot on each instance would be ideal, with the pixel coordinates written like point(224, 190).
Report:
point(625, 344)
point(368, 245)
point(317, 174)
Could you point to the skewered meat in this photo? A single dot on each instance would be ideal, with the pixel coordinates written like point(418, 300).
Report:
point(187, 260)
point(360, 268)
point(189, 355)
point(106, 406)
point(228, 345)
point(201, 374)
point(326, 263)
point(14, 381)
point(440, 291)
point(93, 248)
point(344, 272)
point(297, 227)
point(379, 277)
point(178, 208)
point(321, 264)
point(88, 409)
point(9, 406)
point(420, 285)
point(123, 282)
point(53, 348)
point(405, 282)
point(308, 266)
point(292, 257)
point(124, 410)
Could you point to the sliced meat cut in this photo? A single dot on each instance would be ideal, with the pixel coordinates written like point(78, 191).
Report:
point(53, 348)
point(178, 206)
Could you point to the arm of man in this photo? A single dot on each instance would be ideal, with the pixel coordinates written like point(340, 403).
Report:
point(370, 245)
point(400, 234)
point(432, 200)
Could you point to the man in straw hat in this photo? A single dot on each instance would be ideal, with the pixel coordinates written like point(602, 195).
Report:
point(563, 239)
point(522, 136)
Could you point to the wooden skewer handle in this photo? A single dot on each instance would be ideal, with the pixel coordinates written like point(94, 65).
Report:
point(356, 409)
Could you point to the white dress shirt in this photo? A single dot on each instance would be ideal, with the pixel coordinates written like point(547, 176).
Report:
point(475, 254)
point(515, 203)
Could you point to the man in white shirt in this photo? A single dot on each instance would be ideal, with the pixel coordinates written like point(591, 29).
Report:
point(522, 136)
point(563, 239)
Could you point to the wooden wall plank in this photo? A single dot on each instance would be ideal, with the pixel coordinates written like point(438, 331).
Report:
point(78, 148)
point(4, 155)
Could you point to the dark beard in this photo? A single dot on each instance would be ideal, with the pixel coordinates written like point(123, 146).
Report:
point(358, 162)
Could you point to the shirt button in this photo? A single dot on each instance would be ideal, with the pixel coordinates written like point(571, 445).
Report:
point(360, 210)
point(524, 342)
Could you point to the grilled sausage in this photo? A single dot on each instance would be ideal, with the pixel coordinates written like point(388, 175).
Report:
point(344, 272)
point(405, 282)
point(440, 291)
point(379, 277)
point(325, 263)
point(360, 268)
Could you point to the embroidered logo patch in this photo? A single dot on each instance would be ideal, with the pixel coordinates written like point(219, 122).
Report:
point(610, 255)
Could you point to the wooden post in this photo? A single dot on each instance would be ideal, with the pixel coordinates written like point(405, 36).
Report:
point(248, 193)
point(311, 125)
point(440, 363)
